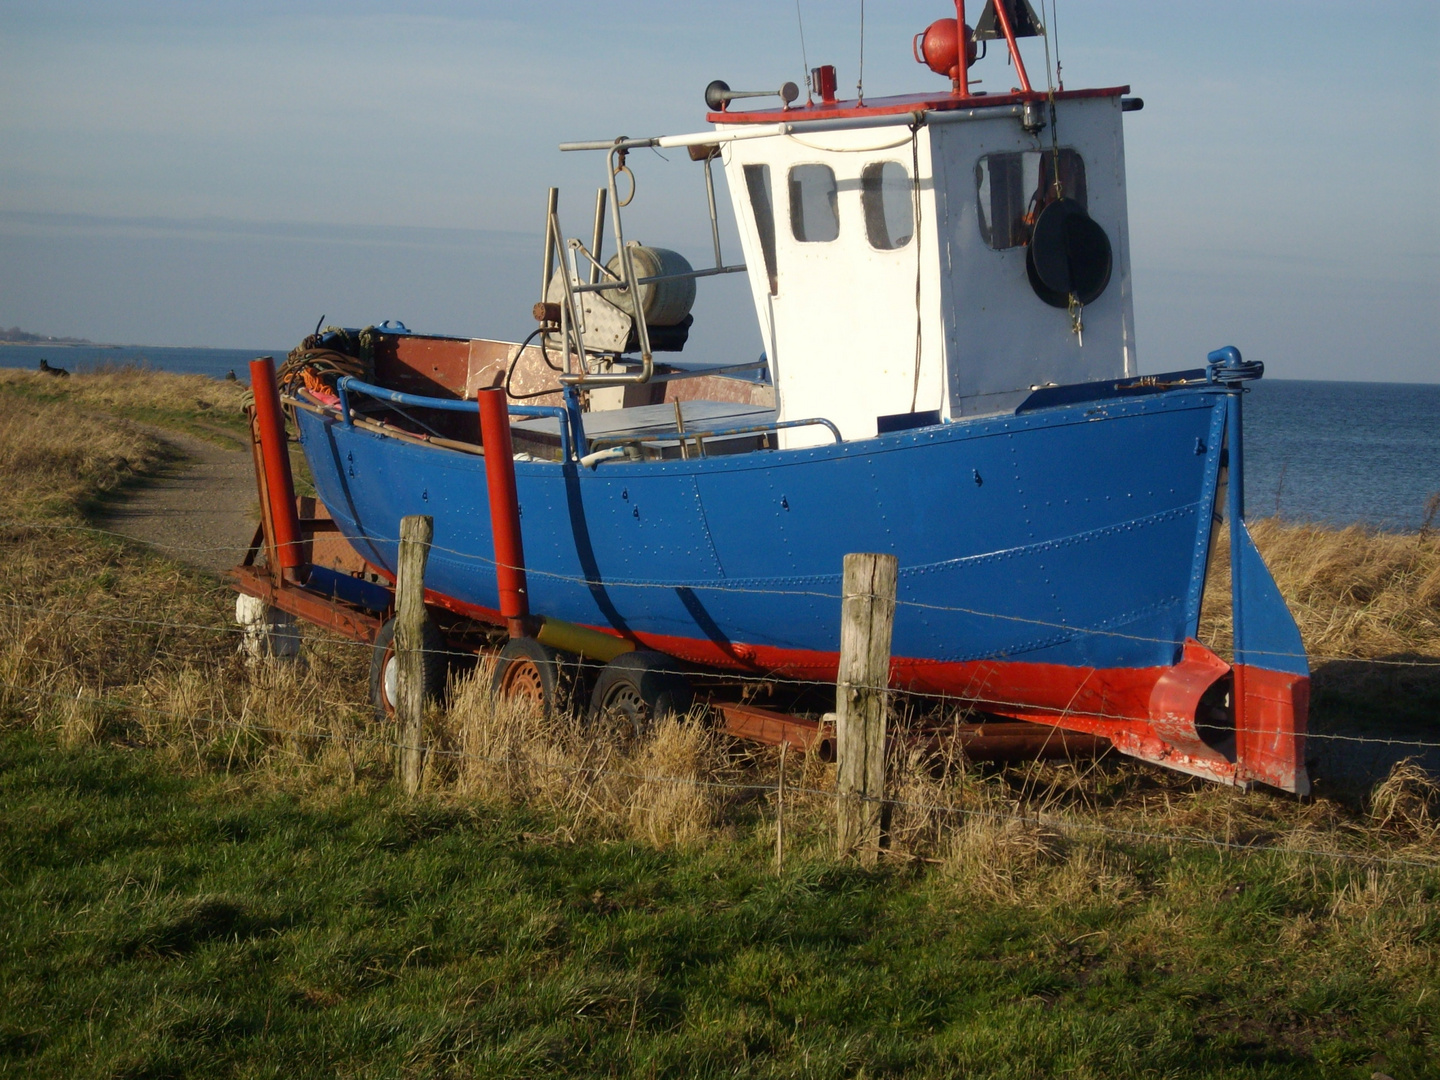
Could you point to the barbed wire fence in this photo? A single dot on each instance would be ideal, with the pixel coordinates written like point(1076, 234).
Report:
point(738, 586)
point(1067, 824)
point(927, 698)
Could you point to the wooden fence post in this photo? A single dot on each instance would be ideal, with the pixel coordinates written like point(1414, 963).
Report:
point(415, 535)
point(867, 618)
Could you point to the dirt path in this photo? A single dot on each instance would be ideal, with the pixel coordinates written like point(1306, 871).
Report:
point(203, 512)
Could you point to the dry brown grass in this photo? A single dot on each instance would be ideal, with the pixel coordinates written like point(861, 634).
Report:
point(658, 788)
point(1407, 802)
point(56, 459)
point(1355, 592)
point(100, 639)
point(132, 389)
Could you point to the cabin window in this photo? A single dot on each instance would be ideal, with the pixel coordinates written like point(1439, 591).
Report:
point(814, 212)
point(1012, 189)
point(757, 185)
point(888, 199)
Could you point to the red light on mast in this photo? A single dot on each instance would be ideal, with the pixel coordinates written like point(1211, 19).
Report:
point(938, 48)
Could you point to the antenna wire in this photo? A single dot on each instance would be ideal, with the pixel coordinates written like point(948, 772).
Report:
point(860, 86)
point(804, 59)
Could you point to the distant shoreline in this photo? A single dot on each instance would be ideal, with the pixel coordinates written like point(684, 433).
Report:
point(76, 344)
point(68, 343)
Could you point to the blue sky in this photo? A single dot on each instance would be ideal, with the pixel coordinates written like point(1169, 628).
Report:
point(225, 173)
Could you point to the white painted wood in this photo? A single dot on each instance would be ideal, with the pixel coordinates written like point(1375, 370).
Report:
point(1001, 338)
point(840, 329)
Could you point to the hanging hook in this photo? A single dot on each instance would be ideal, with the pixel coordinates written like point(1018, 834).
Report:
point(622, 169)
point(1077, 318)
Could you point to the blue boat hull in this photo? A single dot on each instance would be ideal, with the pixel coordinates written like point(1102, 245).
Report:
point(1072, 535)
point(1052, 563)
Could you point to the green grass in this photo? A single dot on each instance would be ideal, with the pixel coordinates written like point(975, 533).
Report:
point(159, 925)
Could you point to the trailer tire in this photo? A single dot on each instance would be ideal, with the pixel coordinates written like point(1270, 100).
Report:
point(383, 673)
point(635, 690)
point(528, 671)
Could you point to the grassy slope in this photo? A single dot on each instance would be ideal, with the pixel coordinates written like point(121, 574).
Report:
point(160, 926)
point(205, 407)
point(213, 900)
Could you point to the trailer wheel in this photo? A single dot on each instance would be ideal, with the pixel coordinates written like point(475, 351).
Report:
point(535, 674)
point(384, 673)
point(636, 689)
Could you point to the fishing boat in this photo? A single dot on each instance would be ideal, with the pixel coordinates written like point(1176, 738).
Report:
point(950, 375)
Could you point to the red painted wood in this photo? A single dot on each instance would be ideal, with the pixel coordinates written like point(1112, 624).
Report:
point(1147, 713)
point(773, 728)
point(321, 611)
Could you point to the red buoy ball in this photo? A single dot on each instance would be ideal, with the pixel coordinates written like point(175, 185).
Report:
point(938, 50)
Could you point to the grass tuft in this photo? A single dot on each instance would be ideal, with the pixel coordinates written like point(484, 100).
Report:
point(1407, 802)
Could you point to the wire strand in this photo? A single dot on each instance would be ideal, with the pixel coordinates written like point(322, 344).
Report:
point(804, 57)
point(739, 587)
point(961, 703)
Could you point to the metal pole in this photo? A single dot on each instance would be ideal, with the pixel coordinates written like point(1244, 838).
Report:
point(552, 206)
point(599, 235)
point(714, 221)
point(627, 272)
point(1000, 10)
point(279, 483)
point(504, 509)
point(962, 71)
point(567, 312)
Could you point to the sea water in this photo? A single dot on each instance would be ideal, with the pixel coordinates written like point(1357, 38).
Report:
point(1342, 452)
point(1333, 452)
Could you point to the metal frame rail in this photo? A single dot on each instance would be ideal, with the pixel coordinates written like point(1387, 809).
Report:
point(570, 424)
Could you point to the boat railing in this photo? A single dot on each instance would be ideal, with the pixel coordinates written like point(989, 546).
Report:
point(349, 385)
point(617, 446)
point(588, 453)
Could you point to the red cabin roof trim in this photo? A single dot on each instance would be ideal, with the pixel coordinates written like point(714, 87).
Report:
point(901, 105)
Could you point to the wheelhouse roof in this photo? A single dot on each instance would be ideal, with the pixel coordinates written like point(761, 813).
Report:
point(900, 105)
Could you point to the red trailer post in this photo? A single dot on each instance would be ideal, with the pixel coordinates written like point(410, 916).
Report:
point(279, 483)
point(504, 509)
